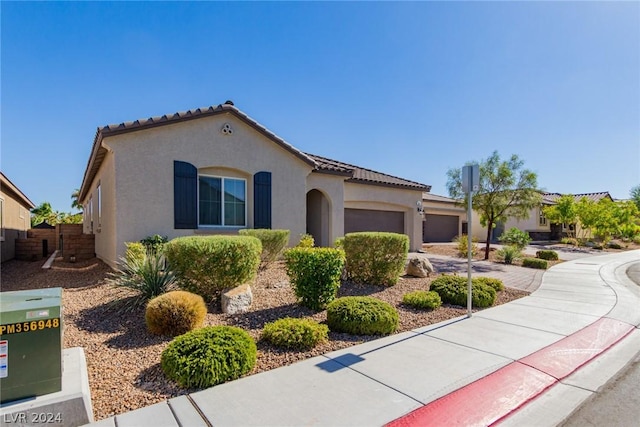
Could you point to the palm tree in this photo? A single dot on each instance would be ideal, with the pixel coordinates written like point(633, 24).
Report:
point(75, 197)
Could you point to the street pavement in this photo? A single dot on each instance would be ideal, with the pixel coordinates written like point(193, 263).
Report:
point(532, 361)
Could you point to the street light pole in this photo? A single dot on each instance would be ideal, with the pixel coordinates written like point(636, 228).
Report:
point(470, 183)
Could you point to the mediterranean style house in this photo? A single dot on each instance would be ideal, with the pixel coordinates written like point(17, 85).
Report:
point(216, 170)
point(15, 217)
point(537, 225)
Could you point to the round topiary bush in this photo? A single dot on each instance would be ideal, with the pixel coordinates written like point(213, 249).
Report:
point(175, 313)
point(362, 316)
point(296, 334)
point(422, 299)
point(209, 356)
point(375, 258)
point(206, 265)
point(453, 290)
point(496, 284)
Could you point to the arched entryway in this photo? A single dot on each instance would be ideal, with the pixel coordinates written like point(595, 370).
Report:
point(318, 216)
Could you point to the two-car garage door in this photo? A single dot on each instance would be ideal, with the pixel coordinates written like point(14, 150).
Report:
point(373, 220)
point(439, 228)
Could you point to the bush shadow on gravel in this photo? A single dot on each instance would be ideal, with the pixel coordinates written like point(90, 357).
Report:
point(136, 336)
point(153, 380)
point(351, 289)
point(257, 319)
point(106, 318)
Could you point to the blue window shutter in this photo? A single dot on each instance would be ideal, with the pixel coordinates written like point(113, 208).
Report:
point(262, 200)
point(185, 195)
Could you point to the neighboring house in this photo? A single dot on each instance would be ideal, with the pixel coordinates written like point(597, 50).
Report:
point(15, 218)
point(216, 170)
point(538, 227)
point(444, 218)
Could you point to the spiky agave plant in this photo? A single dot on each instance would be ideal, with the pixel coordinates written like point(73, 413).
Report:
point(139, 279)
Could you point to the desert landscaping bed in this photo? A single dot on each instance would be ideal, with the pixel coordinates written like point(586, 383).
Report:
point(123, 358)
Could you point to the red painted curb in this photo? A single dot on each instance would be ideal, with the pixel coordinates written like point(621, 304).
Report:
point(565, 356)
point(495, 396)
point(482, 402)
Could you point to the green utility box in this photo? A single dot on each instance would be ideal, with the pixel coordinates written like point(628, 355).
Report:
point(30, 343)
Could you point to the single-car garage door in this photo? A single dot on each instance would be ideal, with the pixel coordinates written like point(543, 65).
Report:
point(372, 220)
point(439, 228)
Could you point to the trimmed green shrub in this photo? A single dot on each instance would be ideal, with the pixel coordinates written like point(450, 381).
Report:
point(362, 316)
point(154, 243)
point(273, 243)
point(508, 254)
point(135, 252)
point(636, 239)
point(453, 290)
point(141, 278)
point(339, 243)
point(175, 313)
point(547, 254)
point(515, 237)
point(496, 284)
point(535, 263)
point(376, 258)
point(206, 265)
point(314, 274)
point(422, 299)
point(463, 245)
point(306, 241)
point(569, 241)
point(296, 334)
point(209, 356)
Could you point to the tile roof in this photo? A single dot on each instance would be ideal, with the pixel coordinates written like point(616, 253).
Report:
point(437, 198)
point(365, 176)
point(552, 198)
point(6, 185)
point(321, 164)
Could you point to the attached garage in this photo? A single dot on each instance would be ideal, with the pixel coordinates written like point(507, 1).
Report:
point(440, 228)
point(373, 220)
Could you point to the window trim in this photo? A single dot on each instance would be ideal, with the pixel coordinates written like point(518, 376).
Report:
point(542, 220)
point(223, 226)
point(99, 196)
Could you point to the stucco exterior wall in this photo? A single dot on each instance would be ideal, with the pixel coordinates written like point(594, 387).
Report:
point(16, 221)
point(143, 171)
point(332, 188)
point(363, 196)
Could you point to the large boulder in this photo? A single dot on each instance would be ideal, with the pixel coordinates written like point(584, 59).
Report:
point(237, 300)
point(419, 267)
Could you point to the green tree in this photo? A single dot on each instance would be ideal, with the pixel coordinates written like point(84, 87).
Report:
point(627, 216)
point(75, 200)
point(43, 213)
point(507, 190)
point(564, 211)
point(635, 195)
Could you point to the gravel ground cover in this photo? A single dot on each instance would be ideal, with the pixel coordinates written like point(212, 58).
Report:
point(123, 359)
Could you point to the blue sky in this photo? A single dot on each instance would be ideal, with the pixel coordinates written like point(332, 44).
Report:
point(410, 89)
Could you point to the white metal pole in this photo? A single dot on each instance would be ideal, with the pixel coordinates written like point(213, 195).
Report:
point(469, 299)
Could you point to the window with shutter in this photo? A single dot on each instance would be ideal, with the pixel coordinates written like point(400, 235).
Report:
point(262, 200)
point(185, 195)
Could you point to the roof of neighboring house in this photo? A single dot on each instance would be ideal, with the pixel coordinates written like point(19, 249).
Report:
point(552, 198)
point(6, 184)
point(321, 164)
point(436, 198)
point(365, 176)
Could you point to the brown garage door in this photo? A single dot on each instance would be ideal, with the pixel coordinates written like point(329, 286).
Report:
point(439, 228)
point(371, 220)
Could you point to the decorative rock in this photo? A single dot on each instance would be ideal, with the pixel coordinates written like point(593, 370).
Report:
point(419, 267)
point(237, 300)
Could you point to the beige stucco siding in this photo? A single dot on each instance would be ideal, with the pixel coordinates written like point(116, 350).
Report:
point(332, 215)
point(144, 174)
point(100, 208)
point(363, 196)
point(15, 223)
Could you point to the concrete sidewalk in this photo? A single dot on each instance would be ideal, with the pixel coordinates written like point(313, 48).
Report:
point(528, 362)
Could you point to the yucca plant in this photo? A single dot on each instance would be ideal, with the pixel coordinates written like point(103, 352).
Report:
point(139, 279)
